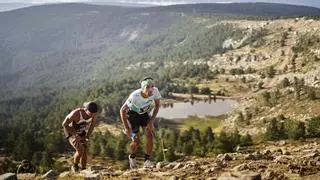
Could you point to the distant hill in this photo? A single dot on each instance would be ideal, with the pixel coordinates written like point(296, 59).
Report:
point(12, 6)
point(77, 44)
point(254, 9)
point(312, 3)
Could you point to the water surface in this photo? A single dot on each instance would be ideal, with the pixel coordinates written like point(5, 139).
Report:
point(181, 110)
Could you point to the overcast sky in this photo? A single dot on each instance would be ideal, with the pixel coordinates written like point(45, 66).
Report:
point(315, 3)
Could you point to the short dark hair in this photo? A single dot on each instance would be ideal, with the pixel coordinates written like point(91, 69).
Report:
point(146, 78)
point(25, 161)
point(92, 107)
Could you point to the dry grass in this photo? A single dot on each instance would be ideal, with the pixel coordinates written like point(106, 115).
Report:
point(202, 123)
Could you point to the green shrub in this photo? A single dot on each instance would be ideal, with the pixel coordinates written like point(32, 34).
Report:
point(313, 127)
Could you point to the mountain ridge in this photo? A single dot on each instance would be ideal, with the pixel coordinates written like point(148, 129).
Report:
point(57, 37)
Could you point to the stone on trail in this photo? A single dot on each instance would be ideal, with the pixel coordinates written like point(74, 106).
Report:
point(241, 167)
point(179, 165)
point(26, 176)
point(8, 176)
point(65, 174)
point(95, 168)
point(248, 175)
point(50, 175)
point(224, 157)
point(173, 178)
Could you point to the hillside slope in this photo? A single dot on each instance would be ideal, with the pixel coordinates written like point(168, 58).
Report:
point(78, 44)
point(285, 51)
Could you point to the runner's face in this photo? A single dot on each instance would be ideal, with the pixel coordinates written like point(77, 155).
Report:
point(90, 113)
point(149, 89)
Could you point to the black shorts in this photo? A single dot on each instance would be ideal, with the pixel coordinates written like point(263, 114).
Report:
point(136, 120)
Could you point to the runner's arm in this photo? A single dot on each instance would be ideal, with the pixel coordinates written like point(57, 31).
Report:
point(69, 131)
point(155, 110)
point(93, 123)
point(123, 114)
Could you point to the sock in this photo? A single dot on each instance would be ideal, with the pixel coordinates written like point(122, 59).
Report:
point(132, 155)
point(146, 157)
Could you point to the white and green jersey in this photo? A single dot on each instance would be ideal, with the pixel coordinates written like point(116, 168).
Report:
point(141, 105)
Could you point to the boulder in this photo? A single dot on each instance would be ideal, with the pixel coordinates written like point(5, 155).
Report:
point(26, 176)
point(257, 155)
point(177, 166)
point(282, 143)
point(270, 175)
point(162, 164)
point(227, 178)
point(117, 173)
point(212, 169)
point(241, 167)
point(173, 178)
point(211, 178)
point(248, 175)
point(135, 178)
point(283, 159)
point(278, 152)
point(8, 176)
point(312, 163)
point(96, 168)
point(204, 167)
point(93, 176)
point(224, 157)
point(285, 152)
point(267, 152)
point(65, 174)
point(312, 155)
point(250, 157)
point(189, 165)
point(171, 165)
point(50, 175)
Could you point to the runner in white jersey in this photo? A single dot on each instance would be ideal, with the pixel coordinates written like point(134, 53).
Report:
point(137, 112)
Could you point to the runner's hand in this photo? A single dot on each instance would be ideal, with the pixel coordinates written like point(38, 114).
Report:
point(127, 131)
point(150, 126)
point(77, 137)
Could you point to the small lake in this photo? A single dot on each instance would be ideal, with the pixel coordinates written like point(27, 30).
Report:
point(182, 110)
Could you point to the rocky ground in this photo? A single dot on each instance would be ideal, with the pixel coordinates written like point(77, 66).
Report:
point(280, 160)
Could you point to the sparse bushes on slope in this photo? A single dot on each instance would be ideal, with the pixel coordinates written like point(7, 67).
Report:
point(246, 140)
point(271, 72)
point(205, 90)
point(285, 83)
point(272, 132)
point(305, 42)
point(171, 144)
point(311, 93)
point(237, 71)
point(292, 129)
point(284, 36)
point(313, 127)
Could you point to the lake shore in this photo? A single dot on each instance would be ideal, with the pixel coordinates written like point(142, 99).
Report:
point(180, 97)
